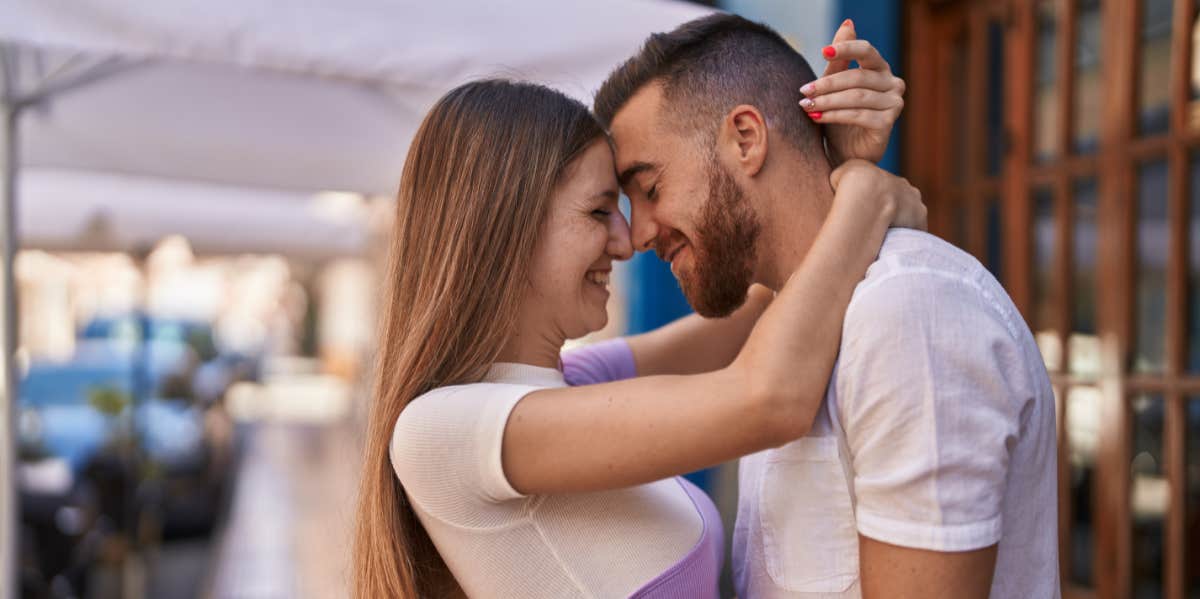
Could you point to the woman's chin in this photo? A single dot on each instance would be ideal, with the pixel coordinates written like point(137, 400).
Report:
point(586, 322)
point(597, 322)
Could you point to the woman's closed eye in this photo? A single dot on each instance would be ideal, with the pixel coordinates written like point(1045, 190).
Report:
point(601, 213)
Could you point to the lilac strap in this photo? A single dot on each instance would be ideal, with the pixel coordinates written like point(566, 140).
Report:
point(696, 575)
point(602, 362)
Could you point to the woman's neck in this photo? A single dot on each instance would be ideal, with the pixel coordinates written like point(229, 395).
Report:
point(528, 347)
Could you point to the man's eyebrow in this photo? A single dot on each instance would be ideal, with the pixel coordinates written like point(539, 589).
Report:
point(633, 170)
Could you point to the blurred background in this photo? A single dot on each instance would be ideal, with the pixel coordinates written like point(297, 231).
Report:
point(197, 197)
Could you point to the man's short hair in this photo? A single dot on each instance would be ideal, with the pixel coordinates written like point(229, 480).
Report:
point(711, 64)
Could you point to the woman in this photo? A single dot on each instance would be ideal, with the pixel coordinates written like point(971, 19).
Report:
point(507, 225)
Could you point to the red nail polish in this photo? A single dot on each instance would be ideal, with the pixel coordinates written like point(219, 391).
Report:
point(829, 51)
point(847, 22)
point(814, 115)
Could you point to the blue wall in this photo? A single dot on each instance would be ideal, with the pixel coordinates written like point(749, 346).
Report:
point(881, 22)
point(654, 298)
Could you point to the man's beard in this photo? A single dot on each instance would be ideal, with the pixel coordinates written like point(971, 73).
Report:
point(724, 251)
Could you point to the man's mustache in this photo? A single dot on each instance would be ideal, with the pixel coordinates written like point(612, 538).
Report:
point(664, 244)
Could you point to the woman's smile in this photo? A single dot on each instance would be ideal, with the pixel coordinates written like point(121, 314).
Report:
point(598, 280)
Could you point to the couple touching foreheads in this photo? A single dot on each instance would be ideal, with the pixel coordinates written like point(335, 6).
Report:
point(895, 424)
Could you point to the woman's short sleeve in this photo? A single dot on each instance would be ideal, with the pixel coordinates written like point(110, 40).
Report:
point(446, 450)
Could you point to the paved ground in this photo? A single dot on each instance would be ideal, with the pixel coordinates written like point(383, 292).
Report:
point(289, 528)
point(180, 569)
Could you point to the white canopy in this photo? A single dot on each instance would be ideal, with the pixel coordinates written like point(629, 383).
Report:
point(277, 98)
point(72, 210)
point(304, 96)
point(256, 100)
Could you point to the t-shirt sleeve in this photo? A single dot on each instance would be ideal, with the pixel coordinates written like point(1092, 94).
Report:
point(929, 388)
point(602, 362)
point(446, 449)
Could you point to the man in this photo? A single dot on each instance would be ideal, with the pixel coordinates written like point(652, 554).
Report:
point(930, 471)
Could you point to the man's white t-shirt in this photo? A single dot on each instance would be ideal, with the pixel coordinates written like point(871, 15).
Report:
point(937, 432)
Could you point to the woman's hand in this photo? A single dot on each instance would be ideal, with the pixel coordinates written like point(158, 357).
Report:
point(857, 106)
point(871, 188)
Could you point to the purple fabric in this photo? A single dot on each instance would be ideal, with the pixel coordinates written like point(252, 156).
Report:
point(602, 362)
point(695, 576)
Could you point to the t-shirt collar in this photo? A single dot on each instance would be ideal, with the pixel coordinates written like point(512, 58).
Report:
point(524, 374)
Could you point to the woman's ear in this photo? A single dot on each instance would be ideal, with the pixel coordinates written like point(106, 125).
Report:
point(743, 139)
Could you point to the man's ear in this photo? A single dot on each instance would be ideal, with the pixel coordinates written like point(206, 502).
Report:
point(743, 139)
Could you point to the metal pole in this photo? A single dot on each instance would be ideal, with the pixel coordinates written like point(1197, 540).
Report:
point(9, 510)
point(12, 101)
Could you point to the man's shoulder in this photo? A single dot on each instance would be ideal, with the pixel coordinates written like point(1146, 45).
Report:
point(928, 311)
point(919, 278)
point(908, 253)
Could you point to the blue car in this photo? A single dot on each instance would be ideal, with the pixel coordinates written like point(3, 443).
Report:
point(71, 410)
point(121, 430)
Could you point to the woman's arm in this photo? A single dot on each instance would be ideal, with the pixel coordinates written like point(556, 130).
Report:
point(694, 344)
point(635, 431)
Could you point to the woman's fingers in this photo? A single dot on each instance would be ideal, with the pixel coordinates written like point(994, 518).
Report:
point(844, 33)
point(861, 50)
point(911, 211)
point(853, 98)
point(869, 179)
point(854, 78)
point(877, 120)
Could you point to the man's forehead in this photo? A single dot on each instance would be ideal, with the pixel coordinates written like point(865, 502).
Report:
point(635, 126)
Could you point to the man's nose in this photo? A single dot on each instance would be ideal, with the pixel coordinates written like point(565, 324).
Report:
point(644, 229)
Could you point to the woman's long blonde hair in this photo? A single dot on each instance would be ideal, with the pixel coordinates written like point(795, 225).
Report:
point(475, 189)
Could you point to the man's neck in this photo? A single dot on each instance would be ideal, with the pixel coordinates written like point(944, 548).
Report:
point(791, 219)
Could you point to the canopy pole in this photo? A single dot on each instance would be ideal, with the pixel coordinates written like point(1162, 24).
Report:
point(12, 101)
point(9, 508)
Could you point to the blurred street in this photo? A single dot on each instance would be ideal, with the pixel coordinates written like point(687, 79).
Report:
point(290, 522)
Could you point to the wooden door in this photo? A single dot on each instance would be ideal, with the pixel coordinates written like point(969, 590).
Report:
point(1059, 142)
